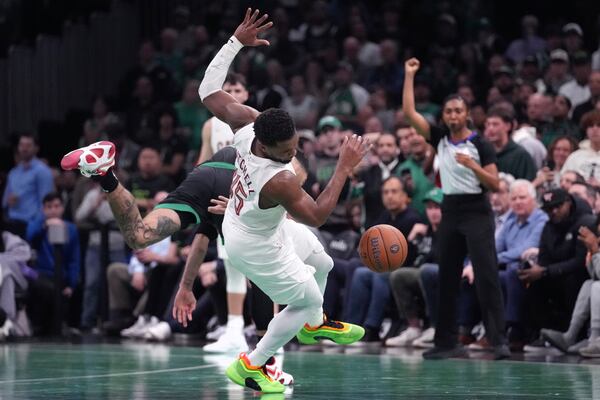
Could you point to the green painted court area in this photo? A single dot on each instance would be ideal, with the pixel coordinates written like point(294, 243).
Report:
point(150, 371)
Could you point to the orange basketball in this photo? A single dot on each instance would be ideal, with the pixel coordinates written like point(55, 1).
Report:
point(383, 248)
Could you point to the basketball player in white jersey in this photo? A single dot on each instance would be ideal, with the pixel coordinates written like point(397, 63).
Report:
point(264, 189)
point(216, 134)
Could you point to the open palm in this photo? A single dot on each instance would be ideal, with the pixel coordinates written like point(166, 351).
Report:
point(247, 32)
point(183, 306)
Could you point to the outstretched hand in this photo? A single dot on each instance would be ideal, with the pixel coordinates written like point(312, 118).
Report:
point(353, 149)
point(247, 32)
point(184, 304)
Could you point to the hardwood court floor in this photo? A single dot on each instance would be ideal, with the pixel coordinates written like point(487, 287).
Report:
point(155, 371)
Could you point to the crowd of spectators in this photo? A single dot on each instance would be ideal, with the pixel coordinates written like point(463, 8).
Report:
point(336, 70)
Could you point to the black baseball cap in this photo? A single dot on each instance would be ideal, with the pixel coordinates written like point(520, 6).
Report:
point(554, 198)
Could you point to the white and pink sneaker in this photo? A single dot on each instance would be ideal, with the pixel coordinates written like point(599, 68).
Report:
point(273, 367)
point(91, 160)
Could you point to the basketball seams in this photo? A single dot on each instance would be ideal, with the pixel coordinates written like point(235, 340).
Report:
point(384, 250)
point(375, 238)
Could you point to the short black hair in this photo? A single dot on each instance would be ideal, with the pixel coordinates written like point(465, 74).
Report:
point(567, 100)
point(502, 113)
point(391, 178)
point(170, 111)
point(396, 140)
point(51, 197)
point(233, 78)
point(455, 96)
point(590, 190)
point(273, 126)
point(149, 144)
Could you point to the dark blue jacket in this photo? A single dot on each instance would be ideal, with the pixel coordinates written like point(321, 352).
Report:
point(38, 238)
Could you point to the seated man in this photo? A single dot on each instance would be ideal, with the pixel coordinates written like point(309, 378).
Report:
point(14, 253)
point(406, 283)
point(522, 230)
point(370, 291)
point(559, 271)
point(41, 298)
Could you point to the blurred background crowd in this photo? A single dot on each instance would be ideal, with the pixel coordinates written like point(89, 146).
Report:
point(531, 79)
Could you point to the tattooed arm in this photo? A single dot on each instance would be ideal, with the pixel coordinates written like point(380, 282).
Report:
point(185, 302)
point(140, 233)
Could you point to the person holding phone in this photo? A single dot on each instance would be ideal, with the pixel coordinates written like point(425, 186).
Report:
point(549, 176)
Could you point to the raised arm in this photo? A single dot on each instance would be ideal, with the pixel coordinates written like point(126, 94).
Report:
point(415, 119)
point(219, 102)
point(285, 188)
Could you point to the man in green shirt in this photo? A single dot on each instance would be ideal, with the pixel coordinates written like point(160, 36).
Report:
point(192, 114)
point(512, 158)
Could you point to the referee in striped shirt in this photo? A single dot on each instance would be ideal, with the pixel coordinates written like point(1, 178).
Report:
point(467, 170)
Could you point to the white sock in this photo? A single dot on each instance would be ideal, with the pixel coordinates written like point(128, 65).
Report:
point(316, 319)
point(235, 323)
point(287, 323)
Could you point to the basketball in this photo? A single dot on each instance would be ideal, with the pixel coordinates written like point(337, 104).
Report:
point(383, 248)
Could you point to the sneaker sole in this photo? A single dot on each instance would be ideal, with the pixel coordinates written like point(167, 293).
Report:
point(71, 160)
point(305, 338)
point(232, 374)
point(555, 344)
point(589, 355)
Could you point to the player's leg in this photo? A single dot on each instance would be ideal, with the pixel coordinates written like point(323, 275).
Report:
point(312, 253)
point(141, 232)
point(262, 311)
point(310, 250)
point(251, 370)
point(96, 161)
point(323, 264)
point(233, 339)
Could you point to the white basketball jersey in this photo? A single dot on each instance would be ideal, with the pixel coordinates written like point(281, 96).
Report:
point(221, 135)
point(251, 174)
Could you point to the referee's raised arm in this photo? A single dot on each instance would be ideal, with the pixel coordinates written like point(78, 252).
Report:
point(415, 119)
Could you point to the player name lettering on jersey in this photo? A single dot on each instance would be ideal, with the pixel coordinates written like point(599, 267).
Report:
point(244, 170)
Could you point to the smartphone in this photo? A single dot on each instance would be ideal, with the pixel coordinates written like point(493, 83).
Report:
point(525, 264)
point(550, 164)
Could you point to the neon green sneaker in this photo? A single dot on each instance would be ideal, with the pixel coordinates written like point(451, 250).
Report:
point(257, 378)
point(336, 331)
